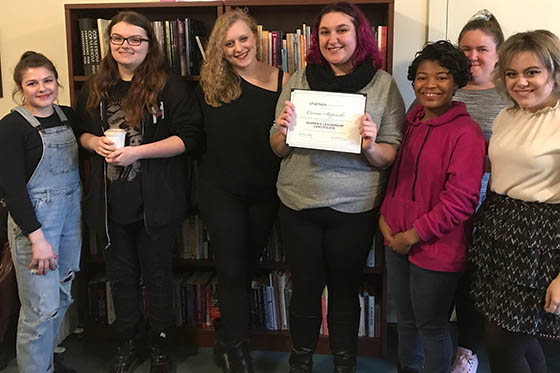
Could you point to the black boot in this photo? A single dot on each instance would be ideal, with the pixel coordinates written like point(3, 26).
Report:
point(403, 369)
point(125, 359)
point(239, 358)
point(160, 358)
point(304, 331)
point(59, 366)
point(232, 358)
point(343, 339)
point(220, 347)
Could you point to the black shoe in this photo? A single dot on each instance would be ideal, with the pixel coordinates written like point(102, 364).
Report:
point(403, 369)
point(220, 348)
point(239, 358)
point(160, 361)
point(232, 359)
point(304, 331)
point(59, 367)
point(125, 359)
point(343, 339)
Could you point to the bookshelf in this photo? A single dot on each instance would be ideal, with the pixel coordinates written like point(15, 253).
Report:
point(205, 11)
point(283, 15)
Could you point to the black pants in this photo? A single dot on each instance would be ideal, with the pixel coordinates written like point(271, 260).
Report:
point(326, 247)
point(510, 352)
point(239, 227)
point(134, 253)
point(470, 322)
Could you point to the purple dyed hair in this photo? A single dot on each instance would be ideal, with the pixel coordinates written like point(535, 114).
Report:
point(366, 48)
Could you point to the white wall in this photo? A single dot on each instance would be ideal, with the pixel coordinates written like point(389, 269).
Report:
point(34, 25)
point(449, 16)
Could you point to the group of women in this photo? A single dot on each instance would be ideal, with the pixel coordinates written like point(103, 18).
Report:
point(328, 203)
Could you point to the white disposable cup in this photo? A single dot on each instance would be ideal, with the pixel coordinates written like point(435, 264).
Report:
point(117, 136)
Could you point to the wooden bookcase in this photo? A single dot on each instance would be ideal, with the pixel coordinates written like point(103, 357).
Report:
point(205, 11)
point(285, 15)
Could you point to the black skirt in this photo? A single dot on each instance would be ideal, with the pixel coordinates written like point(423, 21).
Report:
point(515, 255)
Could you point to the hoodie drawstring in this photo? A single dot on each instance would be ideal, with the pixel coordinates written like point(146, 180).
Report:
point(417, 161)
point(405, 137)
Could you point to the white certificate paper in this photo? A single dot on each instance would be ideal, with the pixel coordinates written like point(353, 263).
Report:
point(327, 120)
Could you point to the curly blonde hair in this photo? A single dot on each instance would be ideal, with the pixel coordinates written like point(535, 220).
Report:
point(218, 80)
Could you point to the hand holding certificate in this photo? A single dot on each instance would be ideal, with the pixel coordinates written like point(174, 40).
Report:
point(326, 120)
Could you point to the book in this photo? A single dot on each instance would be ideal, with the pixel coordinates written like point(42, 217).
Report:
point(324, 310)
point(200, 47)
point(102, 26)
point(362, 324)
point(382, 43)
point(86, 27)
point(111, 317)
point(371, 315)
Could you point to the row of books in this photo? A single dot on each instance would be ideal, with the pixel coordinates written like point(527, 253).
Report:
point(195, 303)
point(181, 41)
point(288, 51)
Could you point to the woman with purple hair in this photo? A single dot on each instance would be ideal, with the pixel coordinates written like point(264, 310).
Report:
point(330, 199)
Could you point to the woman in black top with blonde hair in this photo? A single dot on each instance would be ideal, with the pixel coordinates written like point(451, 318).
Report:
point(238, 201)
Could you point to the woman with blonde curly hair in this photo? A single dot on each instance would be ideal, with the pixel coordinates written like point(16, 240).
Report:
point(137, 193)
point(237, 197)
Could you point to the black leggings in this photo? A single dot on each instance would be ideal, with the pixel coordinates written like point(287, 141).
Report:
point(239, 227)
point(510, 352)
point(326, 247)
point(470, 322)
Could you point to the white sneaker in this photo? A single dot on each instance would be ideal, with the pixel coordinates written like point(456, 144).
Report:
point(465, 361)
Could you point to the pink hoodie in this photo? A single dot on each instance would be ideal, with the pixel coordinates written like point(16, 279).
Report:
point(435, 185)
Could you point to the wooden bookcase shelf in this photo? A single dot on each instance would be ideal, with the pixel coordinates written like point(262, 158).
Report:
point(284, 15)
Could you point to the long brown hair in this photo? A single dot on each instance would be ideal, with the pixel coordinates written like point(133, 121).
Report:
point(148, 81)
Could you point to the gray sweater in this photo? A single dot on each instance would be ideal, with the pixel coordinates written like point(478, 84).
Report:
point(345, 182)
point(483, 106)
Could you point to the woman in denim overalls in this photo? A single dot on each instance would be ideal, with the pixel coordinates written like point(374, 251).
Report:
point(39, 175)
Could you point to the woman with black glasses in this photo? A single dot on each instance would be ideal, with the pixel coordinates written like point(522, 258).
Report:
point(137, 193)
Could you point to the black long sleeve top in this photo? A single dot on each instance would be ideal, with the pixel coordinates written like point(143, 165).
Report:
point(21, 149)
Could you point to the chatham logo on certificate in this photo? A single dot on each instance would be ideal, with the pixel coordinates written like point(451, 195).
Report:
point(327, 120)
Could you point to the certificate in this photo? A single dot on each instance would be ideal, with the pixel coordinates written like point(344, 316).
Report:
point(327, 120)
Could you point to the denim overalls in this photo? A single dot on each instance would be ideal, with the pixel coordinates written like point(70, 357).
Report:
point(54, 190)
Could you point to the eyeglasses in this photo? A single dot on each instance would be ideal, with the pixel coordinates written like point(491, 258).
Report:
point(134, 41)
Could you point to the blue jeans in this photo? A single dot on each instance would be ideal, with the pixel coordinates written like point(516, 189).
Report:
point(483, 187)
point(45, 299)
point(423, 299)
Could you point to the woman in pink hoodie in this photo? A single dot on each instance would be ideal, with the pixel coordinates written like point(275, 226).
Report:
point(431, 195)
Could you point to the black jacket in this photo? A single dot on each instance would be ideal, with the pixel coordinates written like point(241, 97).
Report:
point(165, 181)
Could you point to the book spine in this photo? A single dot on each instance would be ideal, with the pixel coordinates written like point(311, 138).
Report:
point(274, 44)
point(111, 317)
point(168, 53)
point(181, 47)
point(83, 25)
point(324, 308)
point(371, 316)
point(362, 324)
